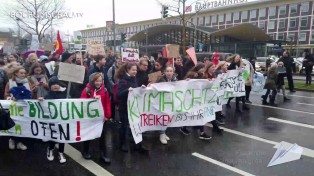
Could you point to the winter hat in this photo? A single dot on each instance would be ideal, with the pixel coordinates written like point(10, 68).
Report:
point(91, 77)
point(199, 66)
point(53, 81)
point(65, 56)
point(43, 58)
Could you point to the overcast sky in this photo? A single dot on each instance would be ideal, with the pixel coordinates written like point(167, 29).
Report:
point(97, 12)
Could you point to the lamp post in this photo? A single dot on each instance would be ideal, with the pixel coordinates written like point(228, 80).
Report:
point(298, 37)
point(114, 26)
point(146, 35)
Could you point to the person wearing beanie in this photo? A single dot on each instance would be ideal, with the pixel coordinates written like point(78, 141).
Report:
point(43, 58)
point(96, 89)
point(55, 92)
point(67, 57)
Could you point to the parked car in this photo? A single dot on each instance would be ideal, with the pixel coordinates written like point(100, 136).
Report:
point(260, 64)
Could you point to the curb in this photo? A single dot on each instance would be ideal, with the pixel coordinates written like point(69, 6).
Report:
point(304, 90)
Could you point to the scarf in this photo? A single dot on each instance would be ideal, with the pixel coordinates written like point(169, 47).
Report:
point(21, 81)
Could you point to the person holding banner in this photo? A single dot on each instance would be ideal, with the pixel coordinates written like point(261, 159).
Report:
point(196, 72)
point(168, 76)
point(17, 88)
point(96, 89)
point(127, 81)
point(237, 63)
point(55, 92)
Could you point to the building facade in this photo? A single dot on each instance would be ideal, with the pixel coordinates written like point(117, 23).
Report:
point(282, 20)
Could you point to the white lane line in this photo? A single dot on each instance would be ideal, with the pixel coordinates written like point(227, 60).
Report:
point(292, 110)
point(306, 151)
point(87, 164)
point(233, 169)
point(306, 104)
point(290, 122)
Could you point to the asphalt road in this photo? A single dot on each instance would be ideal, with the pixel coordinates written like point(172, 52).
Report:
point(245, 148)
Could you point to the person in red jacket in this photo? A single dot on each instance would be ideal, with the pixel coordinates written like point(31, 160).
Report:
point(96, 89)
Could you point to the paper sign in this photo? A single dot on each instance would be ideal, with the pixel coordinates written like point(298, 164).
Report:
point(34, 43)
point(77, 40)
point(71, 72)
point(130, 55)
point(95, 49)
point(173, 50)
point(50, 67)
point(191, 53)
point(153, 77)
point(62, 120)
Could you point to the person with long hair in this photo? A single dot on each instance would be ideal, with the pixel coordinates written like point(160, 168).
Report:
point(38, 81)
point(236, 63)
point(270, 85)
point(126, 75)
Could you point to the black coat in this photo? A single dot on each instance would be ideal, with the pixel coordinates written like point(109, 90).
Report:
point(288, 63)
point(142, 78)
point(56, 95)
point(308, 64)
point(123, 91)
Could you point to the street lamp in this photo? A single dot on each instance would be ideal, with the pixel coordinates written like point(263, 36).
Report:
point(298, 39)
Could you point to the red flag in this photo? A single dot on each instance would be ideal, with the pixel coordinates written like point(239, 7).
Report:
point(188, 8)
point(58, 45)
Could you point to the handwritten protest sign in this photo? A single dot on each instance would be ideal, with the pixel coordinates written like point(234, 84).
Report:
point(130, 55)
point(181, 103)
point(95, 49)
point(153, 77)
point(65, 121)
point(71, 72)
point(173, 50)
point(258, 83)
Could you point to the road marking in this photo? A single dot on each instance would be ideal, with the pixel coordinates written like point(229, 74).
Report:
point(297, 96)
point(306, 104)
point(236, 170)
point(306, 151)
point(292, 110)
point(87, 164)
point(290, 122)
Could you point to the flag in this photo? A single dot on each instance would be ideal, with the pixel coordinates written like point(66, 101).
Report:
point(188, 8)
point(58, 45)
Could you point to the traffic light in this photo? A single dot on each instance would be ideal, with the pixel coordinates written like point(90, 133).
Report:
point(123, 37)
point(164, 12)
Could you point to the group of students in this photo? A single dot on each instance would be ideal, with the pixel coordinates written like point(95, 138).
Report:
point(110, 80)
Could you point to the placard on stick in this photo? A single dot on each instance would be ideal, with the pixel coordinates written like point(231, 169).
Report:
point(173, 50)
point(95, 49)
point(71, 72)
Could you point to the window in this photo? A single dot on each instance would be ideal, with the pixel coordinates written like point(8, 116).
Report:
point(261, 25)
point(293, 22)
point(262, 13)
point(282, 24)
point(244, 15)
point(272, 11)
point(282, 10)
point(305, 7)
point(272, 36)
point(201, 21)
point(207, 20)
point(253, 13)
point(214, 19)
point(281, 36)
point(293, 9)
point(312, 38)
point(271, 25)
point(228, 17)
point(303, 21)
point(302, 36)
point(291, 36)
point(221, 18)
point(236, 16)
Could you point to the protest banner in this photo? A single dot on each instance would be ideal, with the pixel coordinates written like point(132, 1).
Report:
point(62, 120)
point(130, 55)
point(95, 49)
point(153, 77)
point(71, 72)
point(181, 103)
point(173, 50)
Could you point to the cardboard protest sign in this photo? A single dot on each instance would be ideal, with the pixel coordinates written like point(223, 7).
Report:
point(181, 103)
point(95, 49)
point(71, 72)
point(173, 50)
point(62, 120)
point(130, 55)
point(153, 77)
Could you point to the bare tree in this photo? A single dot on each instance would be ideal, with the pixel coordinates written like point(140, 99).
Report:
point(35, 16)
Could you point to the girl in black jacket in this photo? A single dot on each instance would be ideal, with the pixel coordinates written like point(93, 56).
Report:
point(127, 81)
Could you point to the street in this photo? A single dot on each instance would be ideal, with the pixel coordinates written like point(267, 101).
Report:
point(245, 148)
